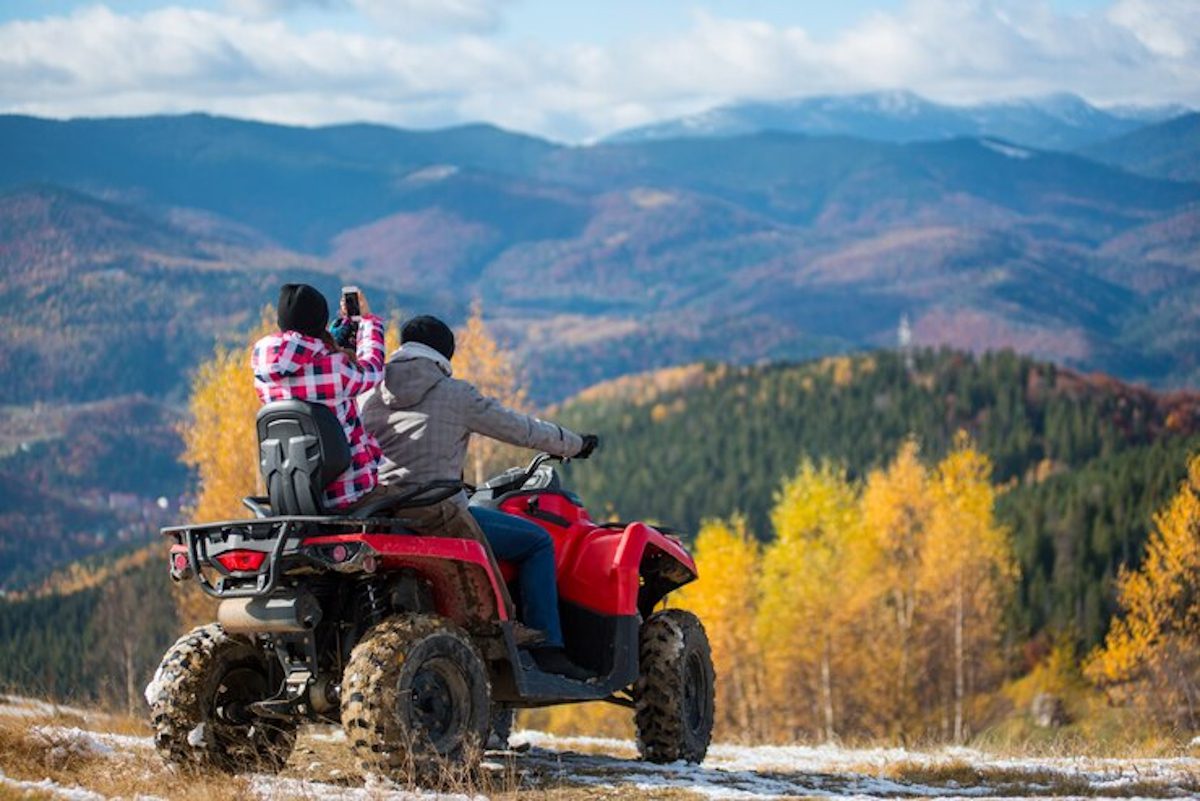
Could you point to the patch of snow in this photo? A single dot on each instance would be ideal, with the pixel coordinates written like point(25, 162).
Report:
point(741, 772)
point(541, 739)
point(154, 688)
point(61, 743)
point(17, 706)
point(273, 787)
point(1004, 149)
point(196, 736)
point(90, 743)
point(46, 786)
point(327, 734)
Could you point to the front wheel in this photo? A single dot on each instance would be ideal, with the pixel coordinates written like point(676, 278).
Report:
point(416, 698)
point(199, 702)
point(674, 693)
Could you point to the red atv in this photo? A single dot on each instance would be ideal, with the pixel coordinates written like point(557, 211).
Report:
point(405, 639)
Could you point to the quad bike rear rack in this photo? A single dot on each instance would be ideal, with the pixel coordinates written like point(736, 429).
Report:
point(283, 530)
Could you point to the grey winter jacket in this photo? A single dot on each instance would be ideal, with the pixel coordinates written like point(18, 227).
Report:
point(423, 419)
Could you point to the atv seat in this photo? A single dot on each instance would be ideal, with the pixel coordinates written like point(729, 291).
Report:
point(301, 449)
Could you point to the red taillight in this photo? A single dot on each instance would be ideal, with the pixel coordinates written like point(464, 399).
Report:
point(241, 561)
point(339, 553)
point(181, 568)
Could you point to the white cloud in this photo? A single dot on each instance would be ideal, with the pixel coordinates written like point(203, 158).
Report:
point(256, 63)
point(410, 16)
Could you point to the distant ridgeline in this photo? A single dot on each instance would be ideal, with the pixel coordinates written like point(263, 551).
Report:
point(1085, 459)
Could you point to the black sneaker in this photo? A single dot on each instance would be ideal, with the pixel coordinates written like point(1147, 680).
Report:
point(555, 660)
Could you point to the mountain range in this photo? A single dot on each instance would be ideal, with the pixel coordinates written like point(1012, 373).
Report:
point(593, 260)
point(128, 247)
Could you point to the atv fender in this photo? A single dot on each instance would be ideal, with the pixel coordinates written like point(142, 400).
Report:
point(625, 571)
point(458, 570)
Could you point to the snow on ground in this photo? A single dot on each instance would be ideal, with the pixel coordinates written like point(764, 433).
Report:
point(274, 787)
point(538, 761)
point(16, 706)
point(79, 742)
point(828, 771)
point(45, 786)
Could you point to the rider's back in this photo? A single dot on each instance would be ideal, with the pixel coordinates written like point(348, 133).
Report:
point(423, 419)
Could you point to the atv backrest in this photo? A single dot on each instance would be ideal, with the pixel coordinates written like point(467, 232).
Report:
point(301, 448)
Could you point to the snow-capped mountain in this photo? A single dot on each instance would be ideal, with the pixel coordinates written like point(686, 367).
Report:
point(1057, 121)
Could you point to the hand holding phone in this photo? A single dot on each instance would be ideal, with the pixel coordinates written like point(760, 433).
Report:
point(351, 306)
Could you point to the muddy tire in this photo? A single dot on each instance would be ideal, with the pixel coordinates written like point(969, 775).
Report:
point(415, 699)
point(202, 685)
point(674, 693)
point(500, 727)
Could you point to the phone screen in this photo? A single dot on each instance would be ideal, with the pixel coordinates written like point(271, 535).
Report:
point(350, 296)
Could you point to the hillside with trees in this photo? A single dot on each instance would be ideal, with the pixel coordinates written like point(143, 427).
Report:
point(1081, 462)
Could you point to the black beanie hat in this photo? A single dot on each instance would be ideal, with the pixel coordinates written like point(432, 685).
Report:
point(302, 308)
point(429, 331)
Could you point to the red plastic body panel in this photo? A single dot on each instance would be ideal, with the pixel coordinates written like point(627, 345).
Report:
point(598, 567)
point(464, 588)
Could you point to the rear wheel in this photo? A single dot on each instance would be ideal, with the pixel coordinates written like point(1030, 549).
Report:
point(415, 698)
point(674, 693)
point(199, 701)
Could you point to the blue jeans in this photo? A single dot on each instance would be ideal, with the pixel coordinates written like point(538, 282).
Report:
point(526, 544)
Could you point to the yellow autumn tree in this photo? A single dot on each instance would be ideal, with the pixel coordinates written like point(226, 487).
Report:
point(479, 359)
point(967, 574)
point(896, 510)
point(725, 598)
point(816, 583)
point(219, 439)
point(1151, 655)
point(221, 446)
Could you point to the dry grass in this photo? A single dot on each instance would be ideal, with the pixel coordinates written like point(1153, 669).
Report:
point(13, 794)
point(1018, 781)
point(33, 749)
point(30, 754)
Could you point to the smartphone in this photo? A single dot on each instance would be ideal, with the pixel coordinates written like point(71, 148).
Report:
point(350, 297)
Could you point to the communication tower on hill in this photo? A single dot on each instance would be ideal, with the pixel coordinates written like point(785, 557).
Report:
point(904, 335)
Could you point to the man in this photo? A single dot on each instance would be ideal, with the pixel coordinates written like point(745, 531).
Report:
point(423, 419)
point(301, 361)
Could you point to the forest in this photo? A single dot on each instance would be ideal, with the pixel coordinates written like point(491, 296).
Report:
point(1080, 462)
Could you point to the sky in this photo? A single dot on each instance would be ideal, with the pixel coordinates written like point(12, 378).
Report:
point(576, 70)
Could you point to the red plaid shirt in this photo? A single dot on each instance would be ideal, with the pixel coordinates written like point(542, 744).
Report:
point(290, 365)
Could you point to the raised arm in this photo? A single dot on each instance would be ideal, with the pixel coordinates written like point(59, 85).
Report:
point(360, 377)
